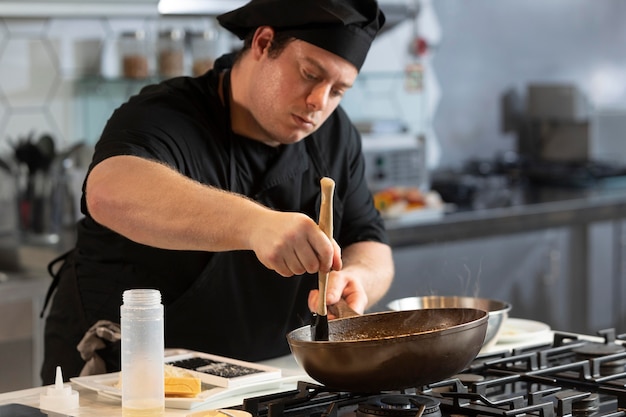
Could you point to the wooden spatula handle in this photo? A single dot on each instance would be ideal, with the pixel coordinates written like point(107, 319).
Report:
point(326, 224)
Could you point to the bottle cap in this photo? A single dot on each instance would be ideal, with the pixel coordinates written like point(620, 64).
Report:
point(58, 397)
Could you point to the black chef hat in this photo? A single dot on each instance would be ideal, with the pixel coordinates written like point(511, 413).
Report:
point(343, 27)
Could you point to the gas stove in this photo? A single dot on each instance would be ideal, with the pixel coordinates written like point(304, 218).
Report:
point(571, 376)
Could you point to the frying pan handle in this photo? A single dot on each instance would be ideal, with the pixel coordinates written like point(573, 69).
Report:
point(326, 224)
point(342, 310)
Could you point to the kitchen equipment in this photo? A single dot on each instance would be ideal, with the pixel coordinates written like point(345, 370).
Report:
point(563, 102)
point(391, 350)
point(557, 126)
point(319, 327)
point(498, 310)
point(394, 160)
point(46, 197)
point(58, 397)
point(142, 328)
point(566, 376)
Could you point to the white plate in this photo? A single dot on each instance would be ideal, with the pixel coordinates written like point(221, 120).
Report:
point(516, 330)
point(106, 385)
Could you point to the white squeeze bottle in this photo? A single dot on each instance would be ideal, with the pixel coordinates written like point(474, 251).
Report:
point(143, 392)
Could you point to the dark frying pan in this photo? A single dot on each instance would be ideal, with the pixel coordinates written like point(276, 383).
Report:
point(391, 350)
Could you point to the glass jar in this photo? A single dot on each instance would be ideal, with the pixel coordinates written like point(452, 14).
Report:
point(134, 54)
point(172, 53)
point(203, 50)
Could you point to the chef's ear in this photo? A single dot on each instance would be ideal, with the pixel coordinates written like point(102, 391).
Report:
point(262, 40)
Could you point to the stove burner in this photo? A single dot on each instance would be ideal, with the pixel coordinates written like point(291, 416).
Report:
point(597, 350)
point(586, 407)
point(401, 405)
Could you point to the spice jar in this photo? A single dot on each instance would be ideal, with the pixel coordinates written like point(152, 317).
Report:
point(203, 50)
point(134, 54)
point(172, 53)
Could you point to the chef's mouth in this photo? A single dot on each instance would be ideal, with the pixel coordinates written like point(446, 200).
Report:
point(305, 121)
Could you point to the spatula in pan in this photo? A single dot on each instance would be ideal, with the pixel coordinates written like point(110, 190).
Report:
point(319, 326)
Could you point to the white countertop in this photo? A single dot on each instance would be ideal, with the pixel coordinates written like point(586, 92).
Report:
point(91, 404)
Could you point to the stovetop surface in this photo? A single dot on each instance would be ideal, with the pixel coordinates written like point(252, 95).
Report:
point(570, 376)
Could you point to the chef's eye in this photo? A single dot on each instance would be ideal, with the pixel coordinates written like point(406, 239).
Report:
point(310, 76)
point(336, 93)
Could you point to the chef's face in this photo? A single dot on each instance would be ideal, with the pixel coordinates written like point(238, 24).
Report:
point(296, 90)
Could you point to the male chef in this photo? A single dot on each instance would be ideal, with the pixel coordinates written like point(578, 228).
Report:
point(208, 189)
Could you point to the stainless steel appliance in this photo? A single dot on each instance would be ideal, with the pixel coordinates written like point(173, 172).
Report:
point(573, 376)
point(395, 159)
point(558, 123)
point(561, 138)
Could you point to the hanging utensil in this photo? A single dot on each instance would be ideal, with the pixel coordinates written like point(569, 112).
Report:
point(319, 325)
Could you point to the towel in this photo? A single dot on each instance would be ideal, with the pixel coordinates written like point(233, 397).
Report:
point(100, 335)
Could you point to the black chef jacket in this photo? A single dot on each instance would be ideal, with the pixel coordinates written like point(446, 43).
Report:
point(224, 303)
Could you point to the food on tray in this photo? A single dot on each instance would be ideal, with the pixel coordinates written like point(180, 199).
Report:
point(394, 201)
point(408, 197)
point(176, 386)
point(178, 382)
point(181, 383)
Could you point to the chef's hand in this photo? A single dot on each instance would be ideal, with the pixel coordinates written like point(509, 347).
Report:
point(292, 244)
point(341, 284)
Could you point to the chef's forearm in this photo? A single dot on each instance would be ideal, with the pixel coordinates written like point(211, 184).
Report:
point(154, 205)
point(373, 263)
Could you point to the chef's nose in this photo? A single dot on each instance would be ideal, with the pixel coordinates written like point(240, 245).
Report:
point(318, 97)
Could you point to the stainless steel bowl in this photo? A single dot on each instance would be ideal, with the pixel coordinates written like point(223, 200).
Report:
point(498, 311)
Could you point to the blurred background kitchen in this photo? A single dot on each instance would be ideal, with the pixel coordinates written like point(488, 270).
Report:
point(493, 132)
